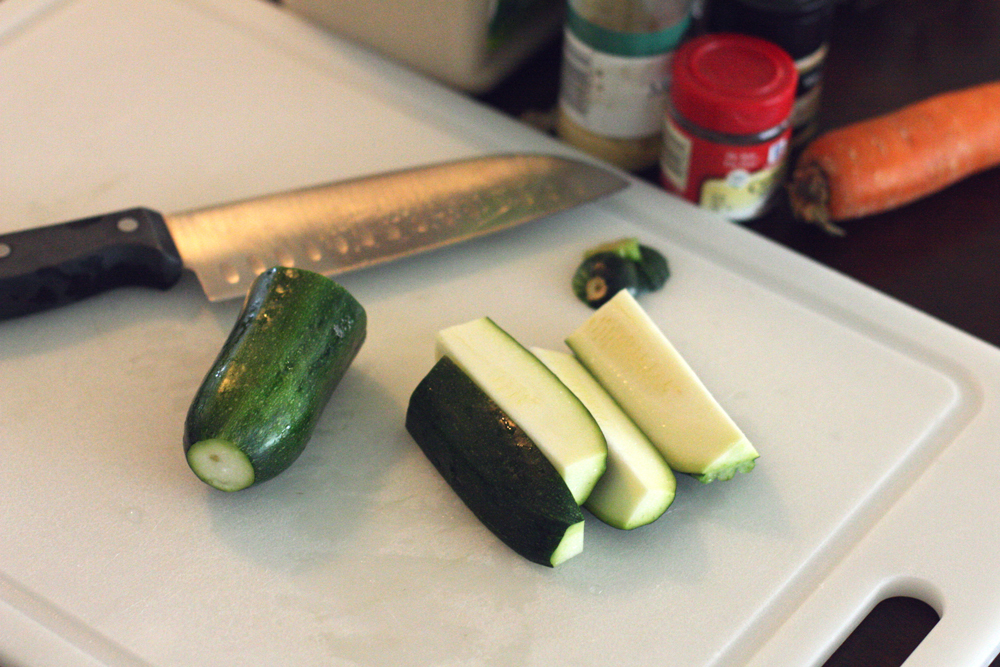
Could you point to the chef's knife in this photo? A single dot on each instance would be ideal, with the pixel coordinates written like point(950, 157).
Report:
point(328, 228)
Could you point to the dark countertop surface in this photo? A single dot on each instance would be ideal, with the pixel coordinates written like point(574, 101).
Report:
point(940, 255)
point(936, 254)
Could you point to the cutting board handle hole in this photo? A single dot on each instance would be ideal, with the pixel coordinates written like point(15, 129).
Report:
point(887, 635)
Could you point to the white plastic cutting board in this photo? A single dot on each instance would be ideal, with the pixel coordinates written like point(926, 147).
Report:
point(877, 425)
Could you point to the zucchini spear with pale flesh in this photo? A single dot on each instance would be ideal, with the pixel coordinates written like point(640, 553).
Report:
point(630, 356)
point(638, 486)
point(510, 439)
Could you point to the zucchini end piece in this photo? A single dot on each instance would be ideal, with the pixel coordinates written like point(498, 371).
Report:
point(220, 464)
point(624, 264)
point(601, 276)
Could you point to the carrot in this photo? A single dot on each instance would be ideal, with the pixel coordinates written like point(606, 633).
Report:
point(885, 162)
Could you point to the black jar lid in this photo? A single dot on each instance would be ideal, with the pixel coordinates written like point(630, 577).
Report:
point(789, 6)
point(800, 27)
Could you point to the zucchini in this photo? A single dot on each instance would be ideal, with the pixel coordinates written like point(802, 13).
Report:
point(601, 276)
point(624, 264)
point(628, 354)
point(638, 486)
point(257, 407)
point(494, 467)
point(654, 270)
point(552, 416)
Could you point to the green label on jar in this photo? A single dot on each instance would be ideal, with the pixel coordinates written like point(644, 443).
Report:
point(626, 43)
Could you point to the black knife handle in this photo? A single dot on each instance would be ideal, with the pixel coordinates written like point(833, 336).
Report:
point(59, 264)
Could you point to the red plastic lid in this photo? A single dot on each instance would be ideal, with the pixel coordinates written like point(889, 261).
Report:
point(734, 84)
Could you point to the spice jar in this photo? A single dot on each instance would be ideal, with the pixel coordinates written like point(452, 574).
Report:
point(615, 73)
point(726, 130)
point(801, 27)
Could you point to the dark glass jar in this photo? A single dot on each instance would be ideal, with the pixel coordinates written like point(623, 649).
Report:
point(800, 27)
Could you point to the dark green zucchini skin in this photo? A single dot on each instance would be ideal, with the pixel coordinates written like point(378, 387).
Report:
point(293, 341)
point(491, 463)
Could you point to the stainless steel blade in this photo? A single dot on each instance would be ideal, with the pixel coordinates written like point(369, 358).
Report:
point(356, 223)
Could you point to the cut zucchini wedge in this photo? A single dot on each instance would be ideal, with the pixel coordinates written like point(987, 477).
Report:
point(494, 467)
point(638, 486)
point(631, 357)
point(534, 398)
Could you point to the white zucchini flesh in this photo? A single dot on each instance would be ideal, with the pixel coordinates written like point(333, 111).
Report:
point(571, 545)
point(629, 355)
point(221, 464)
point(638, 486)
point(533, 397)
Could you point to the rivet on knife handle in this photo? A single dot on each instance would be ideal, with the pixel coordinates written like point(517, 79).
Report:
point(56, 265)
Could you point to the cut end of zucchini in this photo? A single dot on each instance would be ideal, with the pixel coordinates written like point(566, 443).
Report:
point(649, 508)
point(620, 265)
point(581, 476)
point(628, 498)
point(571, 545)
point(220, 464)
point(741, 457)
point(641, 511)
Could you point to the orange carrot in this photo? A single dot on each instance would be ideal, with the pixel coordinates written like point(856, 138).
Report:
point(885, 162)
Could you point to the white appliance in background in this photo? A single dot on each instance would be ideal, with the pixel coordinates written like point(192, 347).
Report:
point(467, 44)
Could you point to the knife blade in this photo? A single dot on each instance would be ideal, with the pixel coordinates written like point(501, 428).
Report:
point(330, 229)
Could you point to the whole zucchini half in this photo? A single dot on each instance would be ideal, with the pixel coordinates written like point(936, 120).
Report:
point(258, 405)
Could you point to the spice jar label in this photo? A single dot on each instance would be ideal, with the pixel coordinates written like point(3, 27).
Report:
point(735, 180)
point(676, 156)
point(741, 195)
point(614, 96)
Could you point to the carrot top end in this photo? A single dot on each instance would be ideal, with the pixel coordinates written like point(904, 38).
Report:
point(809, 194)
